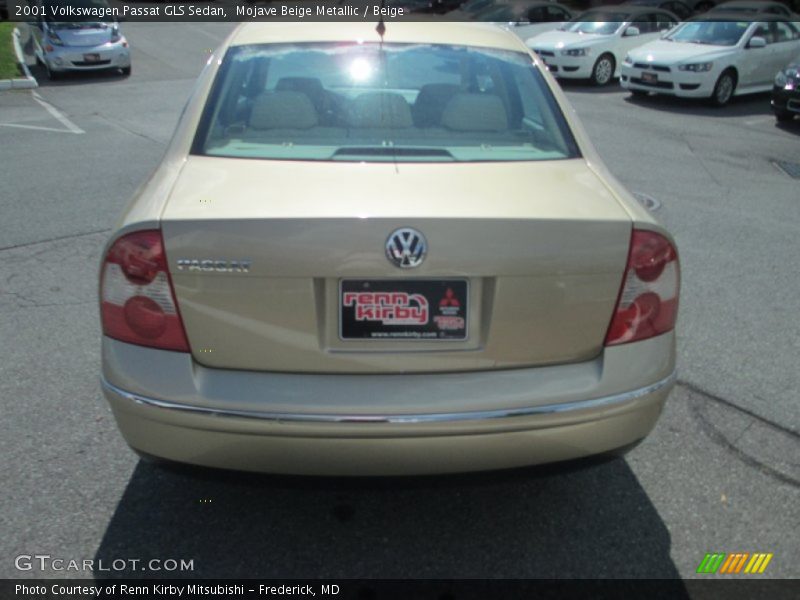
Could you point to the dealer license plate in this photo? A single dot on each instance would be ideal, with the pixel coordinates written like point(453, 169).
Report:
point(403, 309)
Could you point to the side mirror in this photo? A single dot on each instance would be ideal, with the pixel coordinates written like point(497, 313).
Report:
point(631, 31)
point(757, 42)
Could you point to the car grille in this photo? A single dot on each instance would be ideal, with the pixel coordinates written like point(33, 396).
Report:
point(647, 66)
point(545, 53)
point(664, 85)
point(96, 63)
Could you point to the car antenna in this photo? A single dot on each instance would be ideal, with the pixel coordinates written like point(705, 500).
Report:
point(381, 29)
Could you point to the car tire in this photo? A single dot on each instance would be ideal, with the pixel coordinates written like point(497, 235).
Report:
point(724, 88)
point(51, 75)
point(603, 70)
point(126, 71)
point(783, 116)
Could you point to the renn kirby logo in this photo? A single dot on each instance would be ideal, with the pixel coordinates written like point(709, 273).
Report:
point(390, 308)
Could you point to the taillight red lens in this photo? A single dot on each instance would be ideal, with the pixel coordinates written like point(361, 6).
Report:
point(137, 300)
point(648, 300)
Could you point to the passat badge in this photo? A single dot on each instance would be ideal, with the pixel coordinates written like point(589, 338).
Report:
point(406, 248)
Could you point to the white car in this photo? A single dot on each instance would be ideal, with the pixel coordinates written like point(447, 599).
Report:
point(594, 44)
point(713, 59)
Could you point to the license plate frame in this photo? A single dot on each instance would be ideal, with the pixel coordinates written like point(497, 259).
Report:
point(393, 310)
point(92, 57)
point(648, 77)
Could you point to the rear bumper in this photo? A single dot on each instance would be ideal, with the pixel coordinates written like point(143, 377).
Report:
point(352, 424)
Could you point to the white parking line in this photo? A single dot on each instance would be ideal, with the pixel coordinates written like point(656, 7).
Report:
point(57, 114)
point(37, 128)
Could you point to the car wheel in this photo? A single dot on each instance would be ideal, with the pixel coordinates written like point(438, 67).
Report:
point(603, 71)
point(724, 88)
point(784, 116)
point(126, 71)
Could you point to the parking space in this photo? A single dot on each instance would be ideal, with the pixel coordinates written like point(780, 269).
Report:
point(719, 473)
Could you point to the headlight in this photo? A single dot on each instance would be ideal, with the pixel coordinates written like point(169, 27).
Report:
point(575, 52)
point(54, 39)
point(628, 60)
point(696, 67)
point(780, 79)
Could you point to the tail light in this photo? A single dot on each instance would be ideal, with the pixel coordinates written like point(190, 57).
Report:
point(648, 301)
point(137, 303)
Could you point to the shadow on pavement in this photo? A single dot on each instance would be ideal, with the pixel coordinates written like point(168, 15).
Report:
point(585, 86)
point(579, 520)
point(791, 126)
point(739, 106)
point(76, 77)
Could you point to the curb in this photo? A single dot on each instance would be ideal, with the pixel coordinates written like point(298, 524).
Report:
point(19, 84)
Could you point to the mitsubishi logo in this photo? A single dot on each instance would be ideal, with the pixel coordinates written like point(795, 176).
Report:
point(406, 248)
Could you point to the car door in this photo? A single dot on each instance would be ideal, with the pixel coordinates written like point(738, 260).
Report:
point(787, 43)
point(754, 63)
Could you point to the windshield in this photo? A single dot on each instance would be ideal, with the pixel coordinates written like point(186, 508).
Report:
point(500, 14)
point(473, 6)
point(737, 8)
point(396, 102)
point(717, 33)
point(599, 22)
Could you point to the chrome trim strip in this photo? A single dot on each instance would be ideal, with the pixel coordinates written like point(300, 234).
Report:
point(616, 399)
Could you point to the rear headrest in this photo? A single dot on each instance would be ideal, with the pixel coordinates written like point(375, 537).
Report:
point(430, 103)
point(308, 85)
point(380, 109)
point(283, 110)
point(475, 112)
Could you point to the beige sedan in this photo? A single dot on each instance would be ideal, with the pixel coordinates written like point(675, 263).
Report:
point(369, 254)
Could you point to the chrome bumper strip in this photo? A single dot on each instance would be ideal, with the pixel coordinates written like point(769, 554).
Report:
point(563, 407)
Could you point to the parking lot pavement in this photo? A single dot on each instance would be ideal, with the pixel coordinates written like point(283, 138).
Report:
point(719, 474)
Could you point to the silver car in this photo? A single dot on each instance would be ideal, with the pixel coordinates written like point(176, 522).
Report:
point(79, 45)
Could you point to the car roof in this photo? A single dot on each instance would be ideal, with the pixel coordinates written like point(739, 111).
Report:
point(756, 4)
point(485, 35)
point(653, 3)
point(738, 16)
point(631, 9)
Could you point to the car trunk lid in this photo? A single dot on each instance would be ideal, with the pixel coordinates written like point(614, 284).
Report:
point(269, 247)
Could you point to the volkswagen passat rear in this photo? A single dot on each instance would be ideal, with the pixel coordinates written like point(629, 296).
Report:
point(384, 255)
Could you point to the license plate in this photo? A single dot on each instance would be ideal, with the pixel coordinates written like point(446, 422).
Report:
point(91, 58)
point(403, 309)
point(649, 77)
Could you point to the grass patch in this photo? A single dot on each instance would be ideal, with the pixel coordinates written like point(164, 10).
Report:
point(8, 60)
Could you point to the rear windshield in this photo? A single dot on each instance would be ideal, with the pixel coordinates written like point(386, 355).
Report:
point(390, 102)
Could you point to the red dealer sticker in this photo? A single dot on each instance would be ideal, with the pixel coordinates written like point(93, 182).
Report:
point(388, 309)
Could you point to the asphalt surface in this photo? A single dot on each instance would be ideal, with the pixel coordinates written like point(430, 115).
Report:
point(720, 473)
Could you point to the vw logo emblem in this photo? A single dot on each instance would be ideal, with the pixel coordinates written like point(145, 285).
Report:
point(406, 248)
